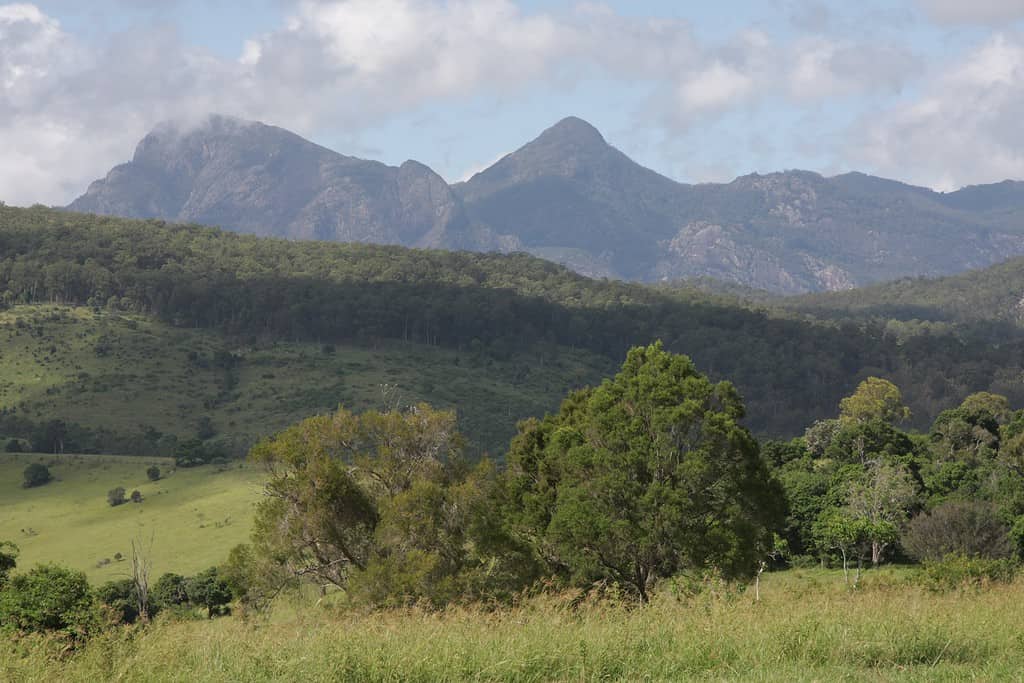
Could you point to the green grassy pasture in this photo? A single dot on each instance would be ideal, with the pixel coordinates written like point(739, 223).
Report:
point(808, 627)
point(122, 372)
point(187, 521)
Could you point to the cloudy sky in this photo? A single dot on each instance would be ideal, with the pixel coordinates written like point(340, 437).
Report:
point(926, 91)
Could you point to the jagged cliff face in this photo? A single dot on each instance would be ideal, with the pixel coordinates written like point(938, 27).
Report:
point(571, 197)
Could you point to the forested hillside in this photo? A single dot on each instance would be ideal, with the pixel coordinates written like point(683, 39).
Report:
point(994, 294)
point(514, 310)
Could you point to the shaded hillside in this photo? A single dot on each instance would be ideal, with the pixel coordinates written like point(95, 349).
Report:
point(504, 308)
point(994, 294)
point(570, 197)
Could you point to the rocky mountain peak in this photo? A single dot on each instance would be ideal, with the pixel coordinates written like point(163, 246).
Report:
point(572, 132)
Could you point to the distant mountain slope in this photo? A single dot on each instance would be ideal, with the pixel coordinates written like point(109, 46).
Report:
point(994, 294)
point(570, 197)
point(260, 179)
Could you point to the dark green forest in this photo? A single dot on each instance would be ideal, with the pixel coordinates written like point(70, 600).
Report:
point(790, 369)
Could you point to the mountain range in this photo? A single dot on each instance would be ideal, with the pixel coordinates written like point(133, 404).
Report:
point(570, 197)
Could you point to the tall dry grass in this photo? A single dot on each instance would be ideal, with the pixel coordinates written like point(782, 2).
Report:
point(807, 627)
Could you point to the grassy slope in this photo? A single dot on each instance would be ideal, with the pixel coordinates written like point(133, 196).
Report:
point(808, 627)
point(187, 521)
point(49, 367)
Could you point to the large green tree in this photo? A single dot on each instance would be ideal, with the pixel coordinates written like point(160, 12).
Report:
point(646, 476)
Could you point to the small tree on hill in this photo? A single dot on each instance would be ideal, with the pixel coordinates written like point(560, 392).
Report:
point(115, 496)
point(153, 473)
point(35, 475)
point(136, 496)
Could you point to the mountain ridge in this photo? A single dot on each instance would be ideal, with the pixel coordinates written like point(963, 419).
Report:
point(572, 197)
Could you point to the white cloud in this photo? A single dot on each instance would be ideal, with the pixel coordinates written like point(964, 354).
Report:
point(964, 128)
point(70, 110)
point(973, 11)
point(714, 88)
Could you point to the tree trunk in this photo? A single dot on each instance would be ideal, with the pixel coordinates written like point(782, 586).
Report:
point(876, 553)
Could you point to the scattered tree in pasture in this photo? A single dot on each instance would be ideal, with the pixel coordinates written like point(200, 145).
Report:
point(35, 475)
point(116, 496)
point(136, 496)
point(153, 473)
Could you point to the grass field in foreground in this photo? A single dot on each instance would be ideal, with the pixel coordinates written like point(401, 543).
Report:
point(191, 516)
point(808, 627)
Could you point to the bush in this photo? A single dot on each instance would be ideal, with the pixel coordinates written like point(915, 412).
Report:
point(116, 497)
point(958, 571)
point(14, 446)
point(153, 473)
point(170, 590)
point(35, 475)
point(122, 599)
point(136, 496)
point(970, 529)
point(8, 560)
point(49, 598)
point(207, 589)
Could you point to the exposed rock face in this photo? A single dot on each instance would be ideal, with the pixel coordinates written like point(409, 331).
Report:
point(571, 197)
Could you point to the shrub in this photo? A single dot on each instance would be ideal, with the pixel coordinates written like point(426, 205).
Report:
point(136, 496)
point(207, 589)
point(153, 473)
point(35, 475)
point(48, 598)
point(170, 590)
point(958, 571)
point(14, 446)
point(115, 496)
point(122, 599)
point(8, 560)
point(970, 529)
